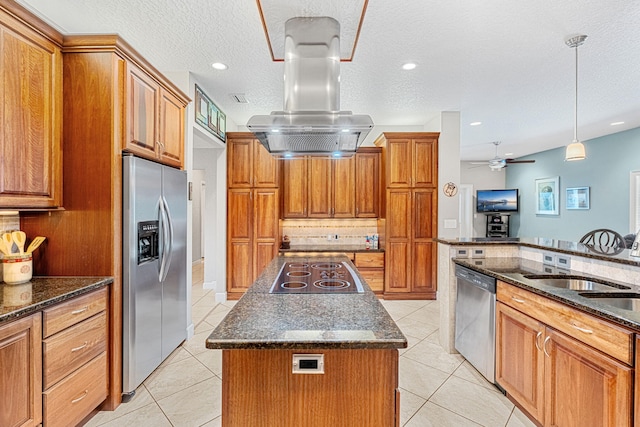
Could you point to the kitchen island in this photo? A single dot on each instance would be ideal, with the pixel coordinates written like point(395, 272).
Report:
point(343, 347)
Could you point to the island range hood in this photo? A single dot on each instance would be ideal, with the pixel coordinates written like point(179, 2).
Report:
point(311, 123)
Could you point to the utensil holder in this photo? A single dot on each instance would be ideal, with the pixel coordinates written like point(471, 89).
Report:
point(17, 268)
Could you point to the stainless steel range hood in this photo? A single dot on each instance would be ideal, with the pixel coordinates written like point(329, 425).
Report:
point(311, 123)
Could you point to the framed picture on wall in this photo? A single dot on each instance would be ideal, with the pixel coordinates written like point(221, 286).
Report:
point(547, 196)
point(578, 198)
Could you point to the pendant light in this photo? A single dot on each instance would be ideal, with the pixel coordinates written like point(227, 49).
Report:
point(575, 150)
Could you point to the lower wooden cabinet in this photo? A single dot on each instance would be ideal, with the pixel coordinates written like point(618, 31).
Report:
point(554, 376)
point(74, 358)
point(371, 267)
point(21, 372)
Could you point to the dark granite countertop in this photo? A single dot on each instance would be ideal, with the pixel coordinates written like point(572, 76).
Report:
point(329, 248)
point(41, 292)
point(604, 253)
point(261, 320)
point(513, 271)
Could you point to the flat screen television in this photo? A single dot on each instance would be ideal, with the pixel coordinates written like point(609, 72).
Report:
point(488, 201)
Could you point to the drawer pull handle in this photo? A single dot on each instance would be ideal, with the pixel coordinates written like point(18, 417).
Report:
point(521, 301)
point(586, 331)
point(78, 399)
point(538, 335)
point(544, 346)
point(73, 350)
point(81, 310)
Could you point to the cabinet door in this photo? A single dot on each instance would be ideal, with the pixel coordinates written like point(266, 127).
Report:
point(21, 372)
point(344, 188)
point(239, 163)
point(265, 213)
point(171, 131)
point(294, 184)
point(398, 214)
point(399, 162)
point(31, 114)
point(583, 386)
point(519, 359)
point(319, 188)
point(239, 239)
point(425, 162)
point(424, 211)
point(397, 275)
point(367, 184)
point(143, 96)
point(265, 167)
point(423, 268)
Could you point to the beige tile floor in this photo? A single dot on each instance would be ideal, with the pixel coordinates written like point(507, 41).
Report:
point(437, 389)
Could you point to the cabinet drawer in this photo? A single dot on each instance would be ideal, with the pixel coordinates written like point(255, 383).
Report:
point(71, 312)
point(374, 277)
point(72, 399)
point(369, 259)
point(66, 351)
point(598, 333)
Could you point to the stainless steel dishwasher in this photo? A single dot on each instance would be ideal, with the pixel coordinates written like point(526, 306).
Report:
point(475, 328)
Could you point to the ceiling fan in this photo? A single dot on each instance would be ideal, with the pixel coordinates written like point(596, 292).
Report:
point(498, 163)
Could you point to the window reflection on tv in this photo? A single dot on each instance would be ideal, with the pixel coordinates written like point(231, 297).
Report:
point(497, 200)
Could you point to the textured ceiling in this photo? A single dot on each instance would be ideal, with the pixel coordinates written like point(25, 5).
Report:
point(500, 62)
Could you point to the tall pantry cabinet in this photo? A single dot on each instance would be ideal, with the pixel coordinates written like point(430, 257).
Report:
point(411, 213)
point(253, 210)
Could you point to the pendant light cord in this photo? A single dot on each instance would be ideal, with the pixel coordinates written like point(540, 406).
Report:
point(575, 126)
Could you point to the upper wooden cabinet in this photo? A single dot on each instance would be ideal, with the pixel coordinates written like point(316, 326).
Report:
point(30, 111)
point(368, 182)
point(411, 159)
point(249, 163)
point(155, 119)
point(318, 187)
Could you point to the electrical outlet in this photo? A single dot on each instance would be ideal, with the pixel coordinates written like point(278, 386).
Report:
point(329, 236)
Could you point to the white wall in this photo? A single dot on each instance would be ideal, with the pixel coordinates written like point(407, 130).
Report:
point(482, 178)
point(196, 216)
point(448, 171)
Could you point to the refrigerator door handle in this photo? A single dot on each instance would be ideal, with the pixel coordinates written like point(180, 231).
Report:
point(163, 228)
point(167, 236)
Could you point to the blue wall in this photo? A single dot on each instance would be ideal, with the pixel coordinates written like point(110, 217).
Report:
point(606, 170)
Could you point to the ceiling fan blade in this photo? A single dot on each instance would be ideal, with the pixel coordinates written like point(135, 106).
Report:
point(519, 161)
point(479, 163)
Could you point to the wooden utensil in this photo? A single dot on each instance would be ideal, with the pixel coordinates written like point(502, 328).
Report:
point(3, 248)
point(8, 242)
point(37, 241)
point(19, 238)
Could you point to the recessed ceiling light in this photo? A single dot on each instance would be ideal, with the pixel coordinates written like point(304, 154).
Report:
point(617, 123)
point(409, 66)
point(219, 66)
point(475, 123)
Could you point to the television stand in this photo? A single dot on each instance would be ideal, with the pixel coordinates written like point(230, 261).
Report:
point(497, 225)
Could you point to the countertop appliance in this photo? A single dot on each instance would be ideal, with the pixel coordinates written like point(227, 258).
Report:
point(154, 275)
point(308, 277)
point(475, 336)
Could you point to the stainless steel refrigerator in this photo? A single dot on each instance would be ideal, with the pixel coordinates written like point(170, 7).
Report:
point(154, 275)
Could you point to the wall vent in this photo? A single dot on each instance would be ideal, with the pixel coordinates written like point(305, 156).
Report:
point(240, 98)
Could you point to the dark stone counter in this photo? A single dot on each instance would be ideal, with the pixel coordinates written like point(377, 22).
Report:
point(604, 253)
point(261, 320)
point(513, 271)
point(329, 248)
point(41, 292)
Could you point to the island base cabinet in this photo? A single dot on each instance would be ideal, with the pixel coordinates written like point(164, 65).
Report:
point(358, 388)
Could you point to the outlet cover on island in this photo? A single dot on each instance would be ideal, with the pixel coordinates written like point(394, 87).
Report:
point(450, 223)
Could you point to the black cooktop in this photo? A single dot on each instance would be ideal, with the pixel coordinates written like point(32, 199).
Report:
point(321, 277)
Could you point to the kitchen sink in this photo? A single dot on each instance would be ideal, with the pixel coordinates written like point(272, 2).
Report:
point(624, 300)
point(575, 283)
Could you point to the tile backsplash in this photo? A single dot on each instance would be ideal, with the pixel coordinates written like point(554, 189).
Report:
point(9, 221)
point(315, 231)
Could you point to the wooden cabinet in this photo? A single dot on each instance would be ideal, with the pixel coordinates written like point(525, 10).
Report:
point(86, 237)
point(21, 372)
point(253, 201)
point(371, 267)
point(316, 187)
point(367, 183)
point(560, 378)
point(74, 358)
point(155, 119)
point(253, 166)
point(411, 212)
point(31, 112)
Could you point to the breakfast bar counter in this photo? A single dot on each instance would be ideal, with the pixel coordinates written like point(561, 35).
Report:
point(312, 359)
